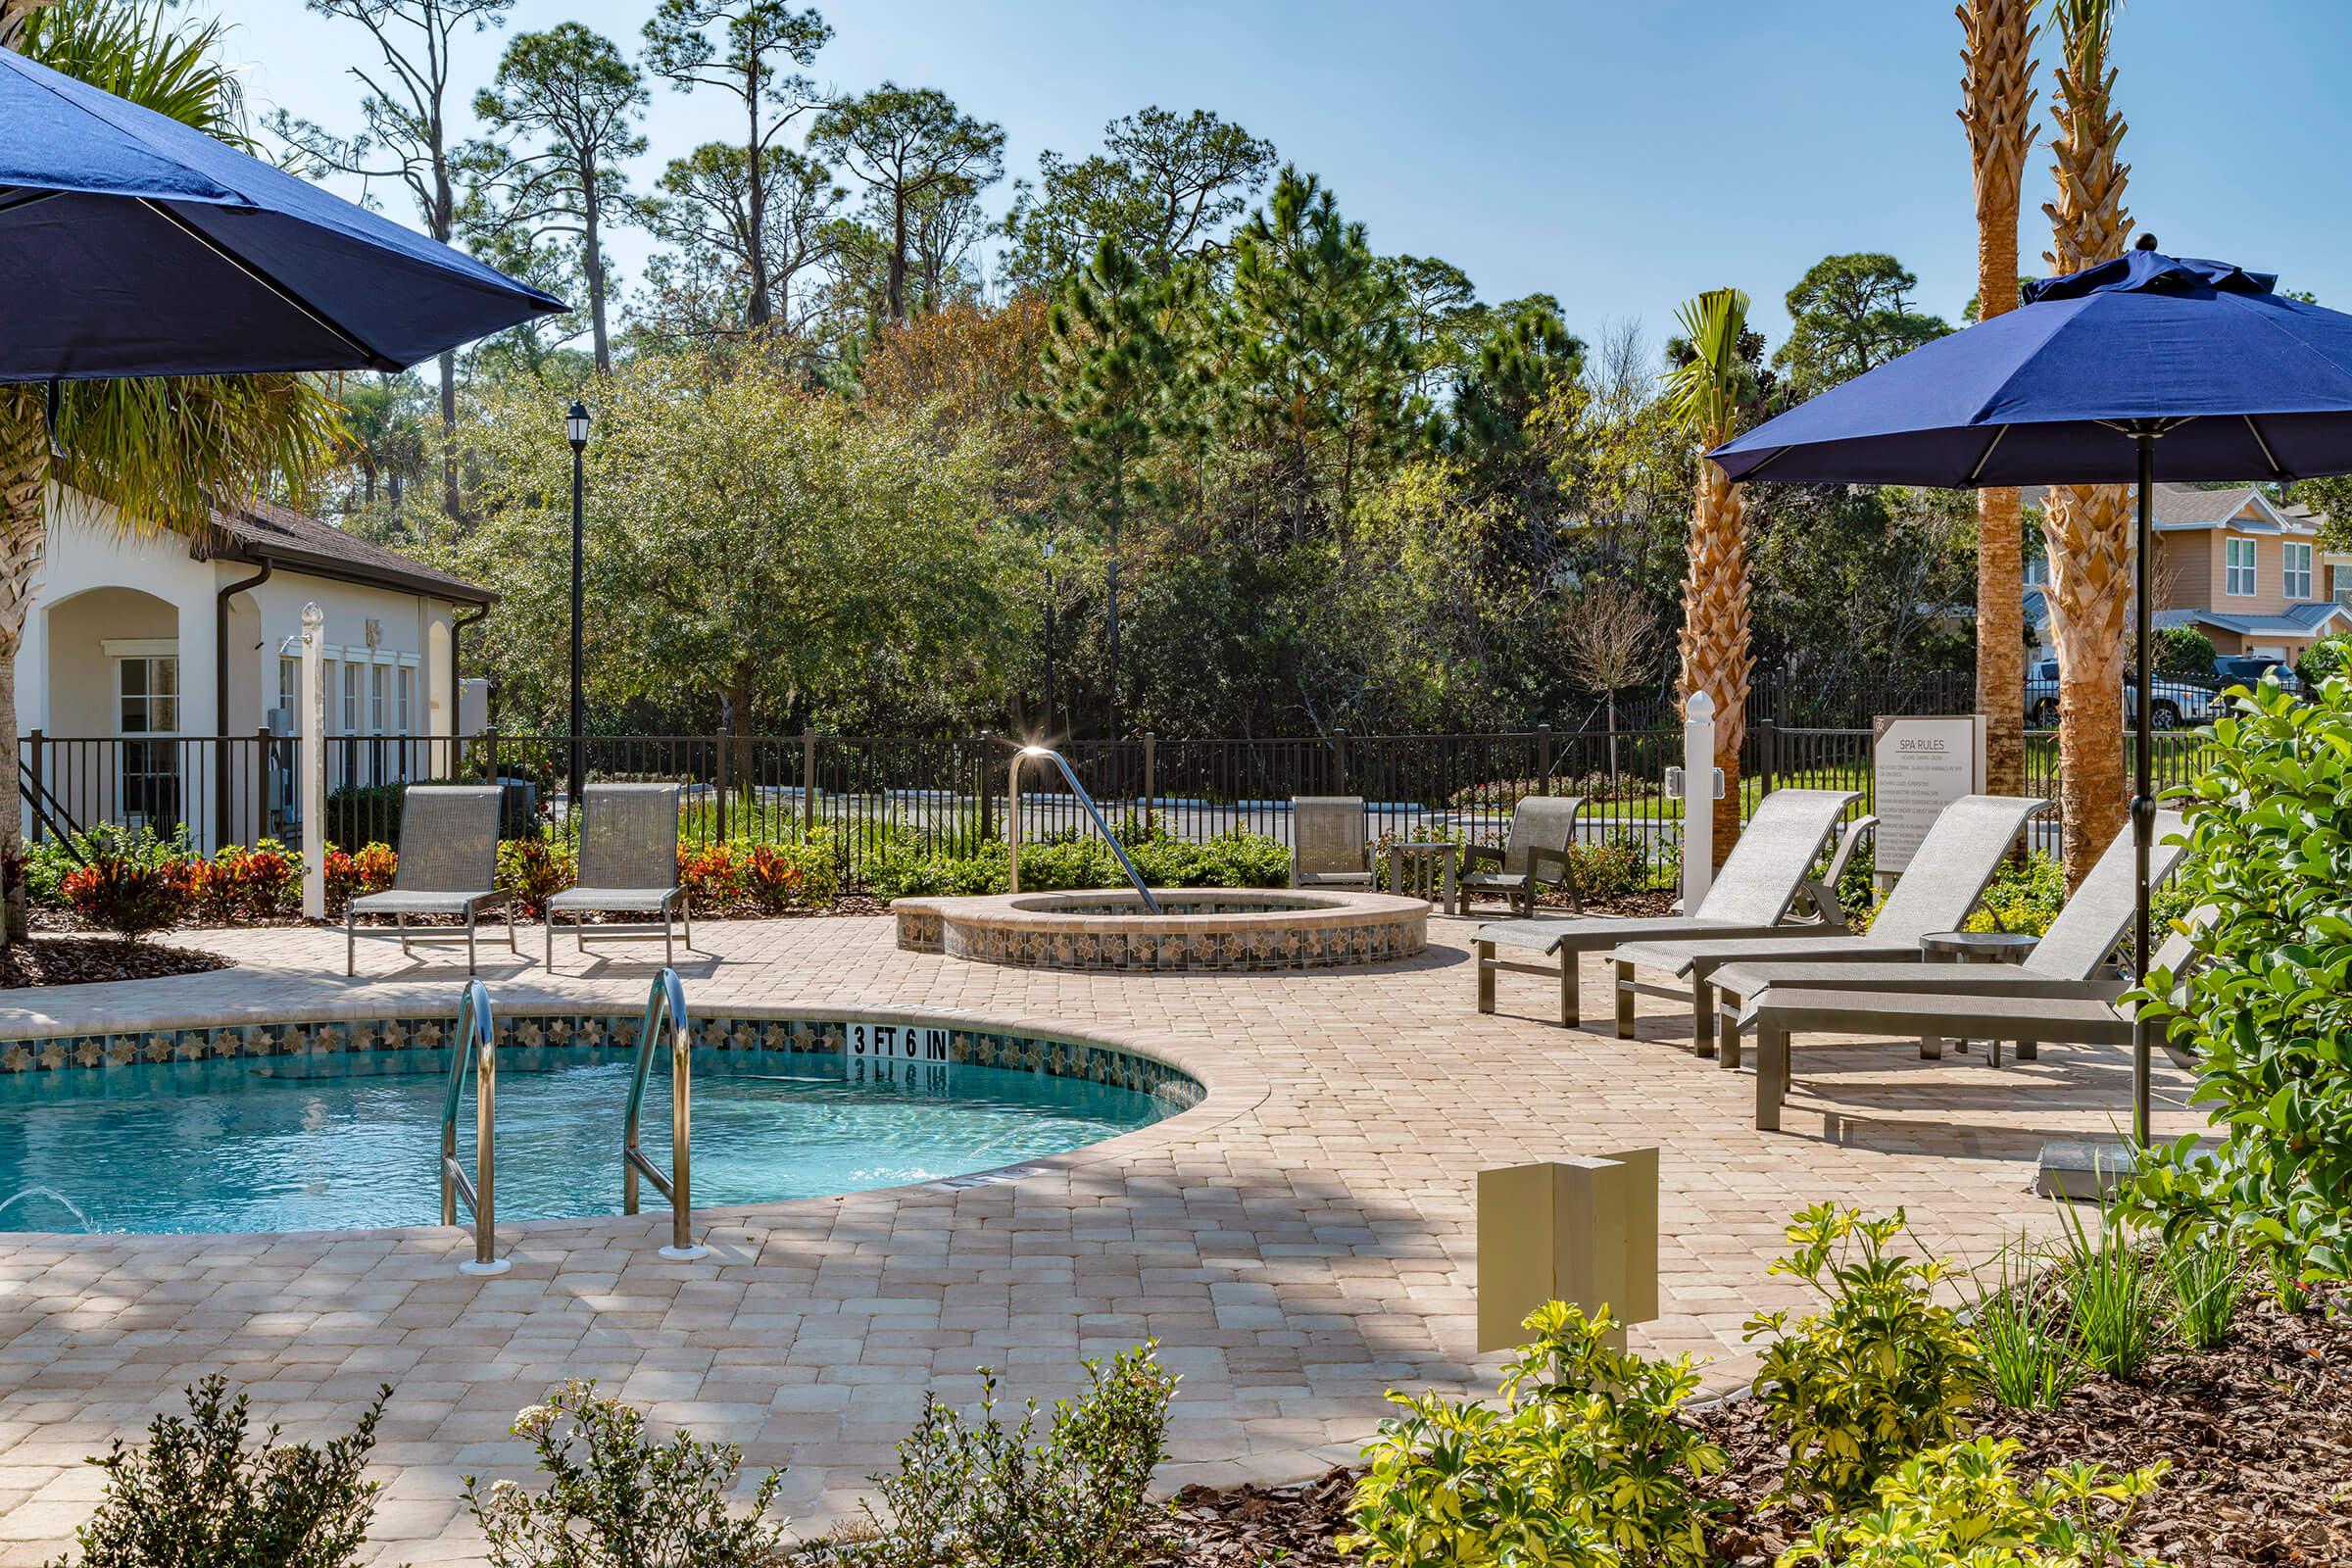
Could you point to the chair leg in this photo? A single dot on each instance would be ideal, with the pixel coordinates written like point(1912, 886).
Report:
point(547, 926)
point(1772, 1075)
point(402, 922)
point(1703, 1015)
point(686, 917)
point(669, 947)
point(1727, 1030)
point(469, 957)
point(1625, 1000)
point(513, 919)
point(351, 942)
point(1486, 977)
point(1572, 1002)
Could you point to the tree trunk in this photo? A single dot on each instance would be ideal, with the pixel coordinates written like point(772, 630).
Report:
point(2089, 531)
point(896, 292)
point(1716, 654)
point(761, 309)
point(593, 263)
point(23, 470)
point(449, 432)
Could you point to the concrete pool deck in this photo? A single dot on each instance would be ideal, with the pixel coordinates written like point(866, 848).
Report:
point(1298, 1242)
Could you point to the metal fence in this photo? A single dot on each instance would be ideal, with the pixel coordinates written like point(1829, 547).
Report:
point(870, 796)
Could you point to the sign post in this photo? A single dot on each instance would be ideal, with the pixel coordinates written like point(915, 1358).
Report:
point(311, 753)
point(1918, 767)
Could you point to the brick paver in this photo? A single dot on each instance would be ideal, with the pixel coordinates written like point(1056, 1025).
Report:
point(1299, 1243)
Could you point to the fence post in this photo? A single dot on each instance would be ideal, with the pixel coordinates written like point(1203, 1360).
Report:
point(1339, 762)
point(1543, 756)
point(30, 758)
point(1698, 799)
point(1768, 736)
point(807, 781)
point(1151, 775)
point(988, 816)
point(726, 746)
point(310, 763)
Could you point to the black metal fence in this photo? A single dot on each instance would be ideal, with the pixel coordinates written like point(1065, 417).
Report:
point(871, 796)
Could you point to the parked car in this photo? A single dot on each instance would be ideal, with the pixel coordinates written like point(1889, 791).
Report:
point(2172, 702)
point(2247, 669)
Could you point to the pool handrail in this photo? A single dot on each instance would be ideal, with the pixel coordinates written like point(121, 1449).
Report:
point(1012, 822)
point(476, 1046)
point(664, 1003)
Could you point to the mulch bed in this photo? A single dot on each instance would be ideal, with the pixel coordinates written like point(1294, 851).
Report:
point(51, 961)
point(2259, 1434)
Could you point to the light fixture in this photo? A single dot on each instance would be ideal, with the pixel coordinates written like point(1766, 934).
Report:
point(575, 425)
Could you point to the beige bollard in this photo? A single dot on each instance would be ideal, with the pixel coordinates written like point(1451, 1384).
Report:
point(1584, 1231)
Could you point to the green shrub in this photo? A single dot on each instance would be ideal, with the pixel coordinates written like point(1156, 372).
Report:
point(2267, 1013)
point(2207, 1276)
point(1615, 867)
point(1883, 1371)
point(360, 814)
point(990, 1494)
point(2022, 897)
point(535, 869)
point(2324, 658)
point(1586, 1464)
point(2030, 1362)
point(614, 1499)
point(194, 1496)
point(2183, 652)
point(1962, 1507)
point(260, 883)
point(133, 882)
point(906, 868)
point(2114, 1307)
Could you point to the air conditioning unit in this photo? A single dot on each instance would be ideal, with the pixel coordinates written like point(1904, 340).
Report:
point(279, 720)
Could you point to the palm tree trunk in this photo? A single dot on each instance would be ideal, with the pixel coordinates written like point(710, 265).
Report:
point(1997, 92)
point(1716, 653)
point(24, 471)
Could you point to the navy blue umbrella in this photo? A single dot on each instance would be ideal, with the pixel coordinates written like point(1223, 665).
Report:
point(2144, 369)
point(133, 245)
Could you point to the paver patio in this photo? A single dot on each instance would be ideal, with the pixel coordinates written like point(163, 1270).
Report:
point(1297, 1243)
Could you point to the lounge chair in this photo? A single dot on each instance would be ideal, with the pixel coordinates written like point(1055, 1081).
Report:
point(1543, 826)
point(1331, 845)
point(1757, 890)
point(1948, 874)
point(628, 865)
point(2075, 948)
point(448, 867)
point(2081, 1013)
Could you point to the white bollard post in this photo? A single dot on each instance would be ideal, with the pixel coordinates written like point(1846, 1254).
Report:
point(311, 764)
point(1698, 799)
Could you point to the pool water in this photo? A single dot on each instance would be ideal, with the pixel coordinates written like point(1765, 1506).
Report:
point(352, 1141)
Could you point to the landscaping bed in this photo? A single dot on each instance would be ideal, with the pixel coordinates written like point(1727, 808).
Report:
point(2258, 1433)
point(71, 960)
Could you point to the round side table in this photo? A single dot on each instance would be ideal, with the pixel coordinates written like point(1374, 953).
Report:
point(1978, 947)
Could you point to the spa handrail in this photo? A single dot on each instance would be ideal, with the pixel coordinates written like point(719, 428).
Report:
point(665, 1003)
point(476, 1046)
point(1012, 822)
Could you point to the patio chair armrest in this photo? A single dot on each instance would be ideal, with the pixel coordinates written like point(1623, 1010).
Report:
point(1850, 840)
point(1476, 854)
point(1827, 909)
point(1541, 864)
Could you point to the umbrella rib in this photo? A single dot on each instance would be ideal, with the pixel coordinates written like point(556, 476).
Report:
point(376, 361)
point(1998, 431)
point(2267, 456)
point(22, 196)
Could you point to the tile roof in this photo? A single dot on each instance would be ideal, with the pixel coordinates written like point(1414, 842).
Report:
point(263, 530)
point(2296, 620)
point(2186, 506)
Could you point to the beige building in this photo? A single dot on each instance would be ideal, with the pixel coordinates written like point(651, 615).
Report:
point(2244, 570)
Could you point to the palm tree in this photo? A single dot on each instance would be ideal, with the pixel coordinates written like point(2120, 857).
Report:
point(1996, 105)
point(2088, 527)
point(161, 452)
point(1712, 385)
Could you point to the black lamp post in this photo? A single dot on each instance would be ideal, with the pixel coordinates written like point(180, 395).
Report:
point(576, 430)
point(1045, 552)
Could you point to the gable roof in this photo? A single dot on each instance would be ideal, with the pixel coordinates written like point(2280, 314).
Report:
point(2295, 620)
point(265, 531)
point(2189, 509)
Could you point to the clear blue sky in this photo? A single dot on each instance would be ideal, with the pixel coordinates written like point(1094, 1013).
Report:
point(1621, 157)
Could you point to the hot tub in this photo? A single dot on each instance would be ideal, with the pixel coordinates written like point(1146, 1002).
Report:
point(1234, 929)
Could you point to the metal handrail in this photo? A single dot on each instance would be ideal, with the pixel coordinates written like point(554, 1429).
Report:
point(665, 1003)
point(1013, 822)
point(476, 1046)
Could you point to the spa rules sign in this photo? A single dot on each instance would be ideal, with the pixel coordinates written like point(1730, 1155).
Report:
point(1920, 766)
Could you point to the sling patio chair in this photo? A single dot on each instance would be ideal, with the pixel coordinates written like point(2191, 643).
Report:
point(2075, 948)
point(1757, 890)
point(1949, 871)
point(628, 865)
point(448, 867)
point(2077, 1014)
point(1331, 842)
point(1543, 826)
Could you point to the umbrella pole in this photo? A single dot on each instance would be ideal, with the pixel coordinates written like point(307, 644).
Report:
point(2143, 801)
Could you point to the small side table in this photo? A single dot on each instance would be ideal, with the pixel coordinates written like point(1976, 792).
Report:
point(1424, 867)
point(1978, 947)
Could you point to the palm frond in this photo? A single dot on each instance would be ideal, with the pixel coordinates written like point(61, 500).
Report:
point(134, 52)
point(1708, 384)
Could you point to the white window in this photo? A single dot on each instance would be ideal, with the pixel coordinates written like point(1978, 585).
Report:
point(2238, 567)
point(408, 699)
point(147, 704)
point(148, 693)
point(351, 698)
point(376, 678)
point(2295, 570)
point(289, 688)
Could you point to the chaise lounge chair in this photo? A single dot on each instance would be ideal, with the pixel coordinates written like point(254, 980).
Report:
point(1948, 874)
point(1543, 826)
point(2084, 1015)
point(2075, 950)
point(448, 867)
point(628, 865)
point(1757, 890)
point(1330, 844)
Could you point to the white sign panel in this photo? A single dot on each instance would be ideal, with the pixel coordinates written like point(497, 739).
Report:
point(895, 1042)
point(1920, 765)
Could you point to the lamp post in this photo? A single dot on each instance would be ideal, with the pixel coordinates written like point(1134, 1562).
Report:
point(1045, 553)
point(576, 430)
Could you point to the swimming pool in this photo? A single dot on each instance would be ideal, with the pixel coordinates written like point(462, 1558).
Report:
point(349, 1139)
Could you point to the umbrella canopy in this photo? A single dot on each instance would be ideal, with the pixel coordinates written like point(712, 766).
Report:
point(2146, 367)
point(133, 245)
point(2240, 382)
